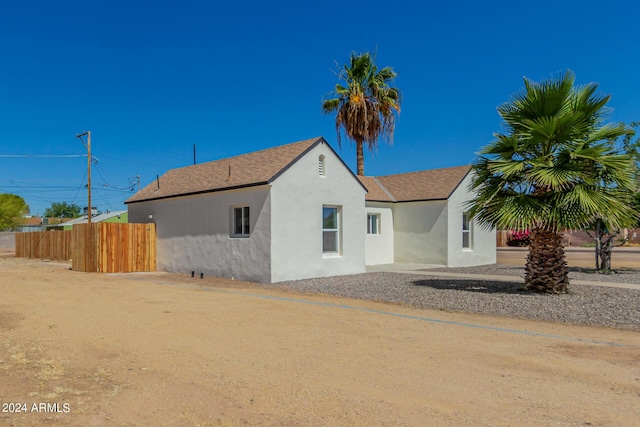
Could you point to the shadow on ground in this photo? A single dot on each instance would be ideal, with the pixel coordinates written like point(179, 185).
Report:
point(480, 286)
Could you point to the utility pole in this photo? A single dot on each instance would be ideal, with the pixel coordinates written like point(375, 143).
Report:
point(88, 147)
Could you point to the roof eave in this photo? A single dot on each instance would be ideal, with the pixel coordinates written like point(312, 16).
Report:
point(195, 193)
point(460, 182)
point(423, 200)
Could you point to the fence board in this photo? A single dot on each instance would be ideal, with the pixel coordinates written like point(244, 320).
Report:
point(85, 247)
point(54, 244)
point(97, 247)
point(114, 247)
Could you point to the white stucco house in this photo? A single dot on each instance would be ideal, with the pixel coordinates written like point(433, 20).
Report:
point(420, 217)
point(297, 211)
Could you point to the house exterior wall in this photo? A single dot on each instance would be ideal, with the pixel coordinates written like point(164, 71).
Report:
point(483, 244)
point(297, 199)
point(420, 232)
point(379, 247)
point(193, 233)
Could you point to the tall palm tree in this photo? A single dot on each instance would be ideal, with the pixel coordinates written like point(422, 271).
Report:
point(365, 104)
point(556, 167)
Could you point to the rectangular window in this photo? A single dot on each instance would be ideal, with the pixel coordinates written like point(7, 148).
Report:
point(467, 231)
point(330, 229)
point(373, 223)
point(241, 221)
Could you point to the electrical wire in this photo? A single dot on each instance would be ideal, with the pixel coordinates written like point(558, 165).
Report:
point(34, 189)
point(77, 191)
point(42, 156)
point(100, 172)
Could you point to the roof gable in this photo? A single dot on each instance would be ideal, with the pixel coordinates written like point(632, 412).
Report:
point(435, 184)
point(256, 168)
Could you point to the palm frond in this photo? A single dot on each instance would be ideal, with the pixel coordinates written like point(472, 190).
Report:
point(365, 104)
point(556, 165)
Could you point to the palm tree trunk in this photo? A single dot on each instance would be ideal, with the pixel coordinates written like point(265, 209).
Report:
point(546, 269)
point(605, 253)
point(360, 157)
point(598, 243)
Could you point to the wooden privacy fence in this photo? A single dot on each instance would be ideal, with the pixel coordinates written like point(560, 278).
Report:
point(47, 244)
point(113, 247)
point(97, 247)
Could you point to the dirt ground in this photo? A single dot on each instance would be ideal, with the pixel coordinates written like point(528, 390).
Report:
point(625, 257)
point(80, 349)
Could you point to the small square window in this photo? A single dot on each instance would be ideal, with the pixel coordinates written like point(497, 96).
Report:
point(241, 221)
point(373, 223)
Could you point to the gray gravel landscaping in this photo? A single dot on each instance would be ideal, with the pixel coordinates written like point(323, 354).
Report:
point(589, 305)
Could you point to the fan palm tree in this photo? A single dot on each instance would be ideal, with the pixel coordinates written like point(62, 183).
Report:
point(555, 168)
point(365, 105)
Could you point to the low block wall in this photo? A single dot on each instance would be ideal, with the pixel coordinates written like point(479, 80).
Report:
point(573, 238)
point(7, 241)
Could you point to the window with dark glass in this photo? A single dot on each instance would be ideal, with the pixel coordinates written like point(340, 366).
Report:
point(241, 221)
point(373, 223)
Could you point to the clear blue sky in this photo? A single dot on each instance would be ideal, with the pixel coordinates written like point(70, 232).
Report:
point(151, 78)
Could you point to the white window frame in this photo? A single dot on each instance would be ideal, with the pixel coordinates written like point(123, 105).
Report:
point(373, 226)
point(245, 221)
point(334, 230)
point(467, 232)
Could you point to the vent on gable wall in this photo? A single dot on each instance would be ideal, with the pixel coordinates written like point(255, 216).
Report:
point(321, 165)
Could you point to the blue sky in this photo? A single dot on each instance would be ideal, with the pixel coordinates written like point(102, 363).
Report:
point(151, 78)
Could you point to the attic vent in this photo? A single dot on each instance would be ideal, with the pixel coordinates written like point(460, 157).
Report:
point(321, 165)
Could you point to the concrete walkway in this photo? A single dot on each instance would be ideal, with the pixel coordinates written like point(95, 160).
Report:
point(422, 269)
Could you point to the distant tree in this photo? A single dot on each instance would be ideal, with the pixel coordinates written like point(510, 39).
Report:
point(632, 147)
point(365, 107)
point(605, 235)
point(62, 210)
point(12, 207)
point(555, 168)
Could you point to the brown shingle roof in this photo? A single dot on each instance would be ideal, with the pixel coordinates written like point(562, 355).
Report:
point(259, 167)
point(375, 191)
point(436, 184)
point(34, 220)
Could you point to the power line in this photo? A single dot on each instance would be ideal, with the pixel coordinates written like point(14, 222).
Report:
point(89, 159)
point(77, 191)
point(42, 180)
point(54, 190)
point(42, 156)
point(100, 172)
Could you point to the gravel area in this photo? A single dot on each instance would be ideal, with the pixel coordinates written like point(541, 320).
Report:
point(589, 305)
